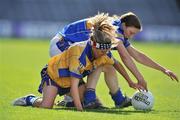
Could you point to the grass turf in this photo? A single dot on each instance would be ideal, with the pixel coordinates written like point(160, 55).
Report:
point(21, 62)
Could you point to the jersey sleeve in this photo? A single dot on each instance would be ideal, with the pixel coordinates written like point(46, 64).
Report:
point(125, 41)
point(77, 31)
point(74, 67)
point(74, 64)
point(70, 65)
point(105, 59)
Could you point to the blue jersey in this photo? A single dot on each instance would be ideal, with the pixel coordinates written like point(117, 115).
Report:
point(120, 32)
point(80, 31)
point(76, 32)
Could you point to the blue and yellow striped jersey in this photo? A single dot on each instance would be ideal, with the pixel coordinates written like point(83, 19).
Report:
point(77, 61)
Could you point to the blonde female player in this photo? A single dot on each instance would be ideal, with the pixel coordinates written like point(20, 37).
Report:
point(127, 26)
point(65, 71)
point(80, 31)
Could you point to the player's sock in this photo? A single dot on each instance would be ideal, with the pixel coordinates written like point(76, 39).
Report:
point(89, 96)
point(30, 100)
point(118, 97)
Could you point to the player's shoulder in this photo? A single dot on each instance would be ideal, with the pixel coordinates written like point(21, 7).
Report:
point(78, 46)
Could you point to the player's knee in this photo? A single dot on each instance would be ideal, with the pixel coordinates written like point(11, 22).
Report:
point(46, 105)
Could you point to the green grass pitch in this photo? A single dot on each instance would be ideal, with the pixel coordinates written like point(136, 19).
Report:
point(21, 62)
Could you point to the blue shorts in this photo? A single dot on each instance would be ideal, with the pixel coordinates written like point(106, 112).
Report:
point(46, 79)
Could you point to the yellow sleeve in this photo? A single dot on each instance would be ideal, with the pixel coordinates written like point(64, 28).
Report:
point(103, 60)
point(74, 64)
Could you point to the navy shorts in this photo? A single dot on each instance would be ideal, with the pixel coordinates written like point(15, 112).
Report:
point(46, 79)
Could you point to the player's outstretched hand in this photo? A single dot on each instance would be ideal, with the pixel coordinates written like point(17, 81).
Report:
point(171, 75)
point(134, 85)
point(142, 85)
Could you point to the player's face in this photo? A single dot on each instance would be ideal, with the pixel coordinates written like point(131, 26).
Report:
point(130, 31)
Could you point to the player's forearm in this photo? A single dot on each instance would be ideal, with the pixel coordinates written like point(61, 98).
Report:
point(76, 98)
point(118, 66)
point(75, 93)
point(132, 67)
point(129, 63)
point(145, 60)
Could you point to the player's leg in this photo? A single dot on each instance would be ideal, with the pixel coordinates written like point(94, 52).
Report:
point(54, 49)
point(47, 101)
point(47, 87)
point(49, 95)
point(112, 82)
point(69, 102)
point(90, 98)
point(111, 79)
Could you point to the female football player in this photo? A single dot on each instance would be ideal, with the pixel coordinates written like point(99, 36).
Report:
point(65, 71)
point(80, 31)
point(127, 26)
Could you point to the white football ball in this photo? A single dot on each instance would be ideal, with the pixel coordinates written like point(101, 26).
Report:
point(142, 100)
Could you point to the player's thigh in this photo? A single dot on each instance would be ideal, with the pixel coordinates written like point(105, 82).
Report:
point(93, 78)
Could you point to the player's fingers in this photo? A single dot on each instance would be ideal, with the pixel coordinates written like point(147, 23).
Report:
point(145, 87)
point(174, 77)
point(141, 88)
point(132, 86)
point(169, 74)
point(171, 77)
point(138, 87)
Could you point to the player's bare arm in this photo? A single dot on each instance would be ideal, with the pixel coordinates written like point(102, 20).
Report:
point(127, 60)
point(147, 61)
point(75, 93)
point(119, 67)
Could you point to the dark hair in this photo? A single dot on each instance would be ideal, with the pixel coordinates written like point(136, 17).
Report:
point(130, 19)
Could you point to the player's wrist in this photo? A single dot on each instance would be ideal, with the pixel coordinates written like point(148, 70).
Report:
point(140, 79)
point(164, 70)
